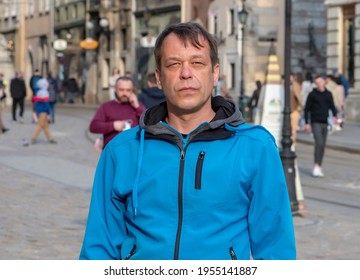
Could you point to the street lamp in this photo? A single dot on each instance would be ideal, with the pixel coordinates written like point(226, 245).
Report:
point(242, 17)
point(287, 155)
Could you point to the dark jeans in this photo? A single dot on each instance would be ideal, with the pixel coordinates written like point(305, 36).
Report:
point(16, 101)
point(320, 133)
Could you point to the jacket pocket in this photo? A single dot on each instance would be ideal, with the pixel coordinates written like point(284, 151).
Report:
point(198, 171)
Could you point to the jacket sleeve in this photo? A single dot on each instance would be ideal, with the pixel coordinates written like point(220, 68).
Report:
point(100, 124)
point(270, 219)
point(105, 229)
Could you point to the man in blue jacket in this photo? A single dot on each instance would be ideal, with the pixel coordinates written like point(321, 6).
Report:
point(193, 180)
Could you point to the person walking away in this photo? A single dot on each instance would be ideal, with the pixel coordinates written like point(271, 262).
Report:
point(18, 94)
point(162, 189)
point(53, 96)
point(337, 95)
point(34, 88)
point(120, 114)
point(115, 74)
point(317, 107)
point(296, 107)
point(152, 95)
point(253, 101)
point(42, 110)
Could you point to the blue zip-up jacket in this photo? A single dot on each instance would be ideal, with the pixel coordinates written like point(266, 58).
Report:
point(218, 193)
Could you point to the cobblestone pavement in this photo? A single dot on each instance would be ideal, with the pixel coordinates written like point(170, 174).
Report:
point(45, 189)
point(45, 193)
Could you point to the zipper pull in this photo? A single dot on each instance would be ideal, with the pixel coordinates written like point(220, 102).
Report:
point(182, 155)
point(202, 155)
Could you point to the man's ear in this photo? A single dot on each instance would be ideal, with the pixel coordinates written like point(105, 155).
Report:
point(157, 75)
point(216, 72)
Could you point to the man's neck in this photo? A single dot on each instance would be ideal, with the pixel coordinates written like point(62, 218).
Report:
point(185, 123)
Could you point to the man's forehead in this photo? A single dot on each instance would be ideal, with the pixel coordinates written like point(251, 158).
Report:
point(124, 83)
point(187, 41)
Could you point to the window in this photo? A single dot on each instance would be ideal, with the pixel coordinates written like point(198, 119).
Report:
point(232, 76)
point(124, 38)
point(6, 10)
point(215, 25)
point(14, 8)
point(30, 8)
point(231, 22)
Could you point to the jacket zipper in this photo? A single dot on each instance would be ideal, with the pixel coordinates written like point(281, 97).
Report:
point(198, 173)
point(232, 253)
point(180, 205)
point(132, 252)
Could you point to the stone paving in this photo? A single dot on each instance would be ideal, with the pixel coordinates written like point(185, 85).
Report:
point(45, 189)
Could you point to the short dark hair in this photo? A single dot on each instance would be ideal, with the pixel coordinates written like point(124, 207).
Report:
point(187, 32)
point(126, 79)
point(151, 78)
point(323, 76)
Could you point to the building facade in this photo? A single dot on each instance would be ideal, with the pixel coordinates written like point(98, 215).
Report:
point(151, 17)
point(343, 51)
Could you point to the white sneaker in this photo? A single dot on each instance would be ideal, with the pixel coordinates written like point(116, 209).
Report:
point(317, 172)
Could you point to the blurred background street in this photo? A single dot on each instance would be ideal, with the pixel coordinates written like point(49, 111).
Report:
point(267, 51)
point(45, 191)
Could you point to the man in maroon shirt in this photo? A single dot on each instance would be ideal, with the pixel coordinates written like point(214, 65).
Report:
point(120, 114)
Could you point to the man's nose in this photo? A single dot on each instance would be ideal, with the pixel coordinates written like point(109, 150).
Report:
point(186, 71)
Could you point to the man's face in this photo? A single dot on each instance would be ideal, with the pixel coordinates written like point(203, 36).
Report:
point(320, 83)
point(186, 75)
point(123, 90)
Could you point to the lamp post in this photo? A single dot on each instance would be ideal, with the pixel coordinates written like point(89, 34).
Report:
point(242, 17)
point(287, 155)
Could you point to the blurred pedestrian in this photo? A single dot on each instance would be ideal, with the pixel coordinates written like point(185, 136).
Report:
point(337, 95)
point(254, 100)
point(3, 129)
point(296, 107)
point(115, 74)
point(193, 180)
point(152, 95)
point(53, 96)
point(296, 104)
point(72, 88)
point(340, 79)
point(34, 88)
point(120, 114)
point(3, 84)
point(18, 94)
point(316, 112)
point(306, 87)
point(42, 110)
